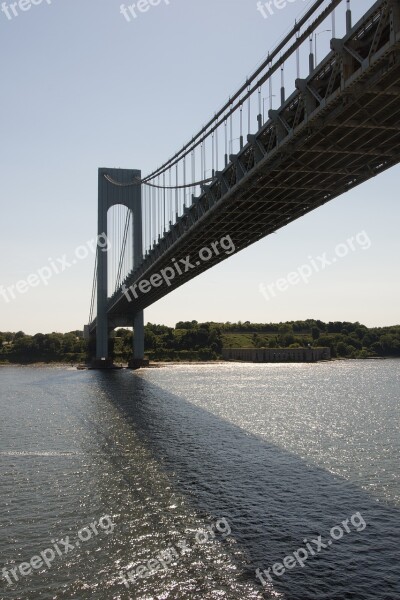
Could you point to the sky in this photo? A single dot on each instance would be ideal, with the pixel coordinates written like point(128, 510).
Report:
point(82, 88)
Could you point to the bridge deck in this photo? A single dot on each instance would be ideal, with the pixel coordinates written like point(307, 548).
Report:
point(338, 129)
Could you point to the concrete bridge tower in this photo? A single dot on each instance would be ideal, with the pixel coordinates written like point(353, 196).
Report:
point(117, 186)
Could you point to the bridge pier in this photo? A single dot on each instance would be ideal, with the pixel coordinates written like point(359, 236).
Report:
point(102, 353)
point(138, 337)
point(138, 342)
point(116, 186)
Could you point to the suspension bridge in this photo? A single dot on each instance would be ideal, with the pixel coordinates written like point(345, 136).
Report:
point(262, 161)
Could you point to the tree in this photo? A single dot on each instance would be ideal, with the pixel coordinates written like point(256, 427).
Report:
point(315, 332)
point(342, 349)
point(390, 344)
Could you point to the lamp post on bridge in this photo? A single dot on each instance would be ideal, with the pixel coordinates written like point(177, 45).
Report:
point(316, 34)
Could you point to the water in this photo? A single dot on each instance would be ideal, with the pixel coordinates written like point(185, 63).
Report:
point(265, 456)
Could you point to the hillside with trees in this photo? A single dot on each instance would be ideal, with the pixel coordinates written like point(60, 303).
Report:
point(193, 341)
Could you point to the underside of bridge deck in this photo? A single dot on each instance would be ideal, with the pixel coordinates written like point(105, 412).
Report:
point(338, 129)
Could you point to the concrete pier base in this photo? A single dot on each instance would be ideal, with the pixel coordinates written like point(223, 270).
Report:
point(138, 363)
point(103, 364)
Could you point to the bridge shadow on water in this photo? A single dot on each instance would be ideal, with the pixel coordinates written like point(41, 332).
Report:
point(272, 498)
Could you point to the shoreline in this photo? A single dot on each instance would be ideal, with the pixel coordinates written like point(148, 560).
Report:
point(163, 364)
point(81, 366)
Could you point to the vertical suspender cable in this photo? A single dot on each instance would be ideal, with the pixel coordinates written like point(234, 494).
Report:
point(270, 88)
point(248, 112)
point(231, 133)
point(159, 208)
point(311, 57)
point(212, 154)
point(184, 181)
point(216, 149)
point(112, 214)
point(149, 218)
point(202, 160)
point(170, 211)
point(119, 247)
point(193, 171)
point(94, 288)
point(226, 142)
point(142, 195)
point(176, 191)
point(241, 126)
point(205, 158)
point(154, 216)
point(348, 17)
point(164, 226)
point(118, 244)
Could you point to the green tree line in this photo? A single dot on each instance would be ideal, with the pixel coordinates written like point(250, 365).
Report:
point(190, 340)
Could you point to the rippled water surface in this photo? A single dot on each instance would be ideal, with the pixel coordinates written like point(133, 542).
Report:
point(224, 469)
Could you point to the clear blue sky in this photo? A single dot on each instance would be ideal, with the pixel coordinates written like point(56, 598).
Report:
point(83, 88)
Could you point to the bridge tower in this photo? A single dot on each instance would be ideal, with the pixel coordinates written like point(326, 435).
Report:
point(117, 186)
